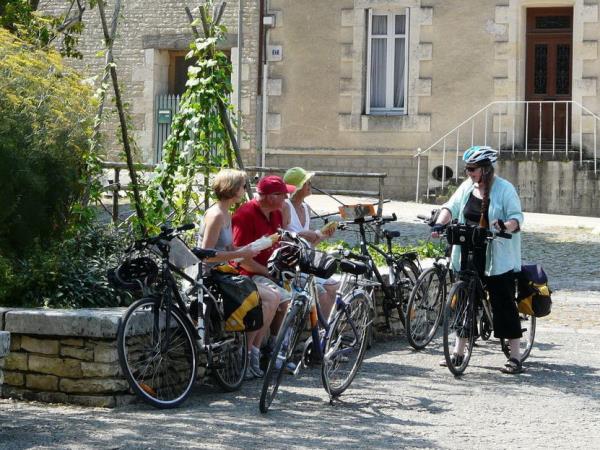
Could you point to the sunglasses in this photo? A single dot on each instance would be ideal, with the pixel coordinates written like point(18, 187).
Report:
point(471, 169)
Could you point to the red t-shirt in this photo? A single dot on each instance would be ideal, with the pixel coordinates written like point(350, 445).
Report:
point(249, 224)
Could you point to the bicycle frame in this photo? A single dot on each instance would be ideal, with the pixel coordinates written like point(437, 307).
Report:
point(312, 307)
point(205, 298)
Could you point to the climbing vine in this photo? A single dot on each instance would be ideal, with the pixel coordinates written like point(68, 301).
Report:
point(199, 144)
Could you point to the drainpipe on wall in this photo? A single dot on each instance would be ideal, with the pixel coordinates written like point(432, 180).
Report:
point(265, 76)
point(239, 74)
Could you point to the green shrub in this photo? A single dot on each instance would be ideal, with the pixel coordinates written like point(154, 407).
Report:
point(47, 116)
point(67, 274)
point(425, 249)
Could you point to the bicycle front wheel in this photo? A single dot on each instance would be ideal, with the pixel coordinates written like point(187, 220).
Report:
point(283, 351)
point(459, 322)
point(157, 352)
point(425, 307)
point(345, 346)
point(526, 343)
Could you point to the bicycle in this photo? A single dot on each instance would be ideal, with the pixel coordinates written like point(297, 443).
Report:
point(339, 344)
point(161, 336)
point(427, 297)
point(403, 270)
point(467, 300)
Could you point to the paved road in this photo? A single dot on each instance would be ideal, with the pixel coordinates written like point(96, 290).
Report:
point(401, 398)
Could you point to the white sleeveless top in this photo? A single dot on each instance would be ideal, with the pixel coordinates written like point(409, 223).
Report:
point(295, 224)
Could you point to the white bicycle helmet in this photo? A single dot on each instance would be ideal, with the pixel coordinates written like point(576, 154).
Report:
point(479, 154)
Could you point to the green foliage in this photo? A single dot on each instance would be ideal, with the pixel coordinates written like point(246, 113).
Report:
point(21, 19)
point(199, 143)
point(44, 145)
point(424, 248)
point(67, 274)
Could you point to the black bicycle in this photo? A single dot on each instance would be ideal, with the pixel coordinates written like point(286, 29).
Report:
point(403, 270)
point(162, 335)
point(467, 300)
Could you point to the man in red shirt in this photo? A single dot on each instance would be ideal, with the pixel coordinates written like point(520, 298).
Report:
point(260, 217)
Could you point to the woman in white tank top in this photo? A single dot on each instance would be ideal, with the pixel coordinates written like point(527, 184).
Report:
point(296, 217)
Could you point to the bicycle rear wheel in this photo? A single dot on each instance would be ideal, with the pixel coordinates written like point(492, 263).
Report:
point(526, 343)
point(406, 274)
point(345, 346)
point(425, 307)
point(157, 352)
point(283, 351)
point(459, 321)
point(229, 355)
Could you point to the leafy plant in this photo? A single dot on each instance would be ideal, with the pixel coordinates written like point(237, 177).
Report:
point(67, 274)
point(46, 125)
point(199, 143)
point(21, 18)
point(425, 249)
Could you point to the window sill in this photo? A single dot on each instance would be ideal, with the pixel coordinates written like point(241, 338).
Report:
point(395, 122)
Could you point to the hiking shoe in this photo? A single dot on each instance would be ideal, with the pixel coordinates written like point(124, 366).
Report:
point(455, 359)
point(249, 375)
point(254, 365)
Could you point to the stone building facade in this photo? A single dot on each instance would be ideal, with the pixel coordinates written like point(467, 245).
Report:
point(363, 85)
point(459, 57)
point(152, 38)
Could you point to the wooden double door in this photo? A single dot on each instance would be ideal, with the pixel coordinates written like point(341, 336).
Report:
point(548, 74)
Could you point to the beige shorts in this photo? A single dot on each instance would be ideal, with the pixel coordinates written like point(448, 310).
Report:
point(284, 294)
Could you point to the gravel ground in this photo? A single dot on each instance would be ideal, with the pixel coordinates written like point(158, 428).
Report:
point(401, 398)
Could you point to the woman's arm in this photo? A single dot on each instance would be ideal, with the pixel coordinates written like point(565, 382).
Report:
point(213, 224)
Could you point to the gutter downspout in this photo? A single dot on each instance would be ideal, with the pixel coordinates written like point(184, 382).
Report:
point(239, 74)
point(263, 89)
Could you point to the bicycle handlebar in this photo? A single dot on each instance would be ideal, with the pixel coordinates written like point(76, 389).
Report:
point(166, 234)
point(373, 219)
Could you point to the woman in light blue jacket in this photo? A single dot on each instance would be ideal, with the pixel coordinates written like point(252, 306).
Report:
point(485, 198)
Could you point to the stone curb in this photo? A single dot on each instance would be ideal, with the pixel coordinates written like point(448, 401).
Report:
point(94, 323)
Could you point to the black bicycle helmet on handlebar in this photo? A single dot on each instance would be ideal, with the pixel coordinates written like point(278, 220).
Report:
point(284, 258)
point(133, 274)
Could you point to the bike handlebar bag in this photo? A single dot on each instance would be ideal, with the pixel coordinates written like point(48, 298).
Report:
point(317, 263)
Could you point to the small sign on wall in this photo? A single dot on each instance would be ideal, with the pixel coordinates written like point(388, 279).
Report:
point(164, 116)
point(274, 52)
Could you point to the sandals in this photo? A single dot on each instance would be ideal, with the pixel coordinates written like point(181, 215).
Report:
point(512, 367)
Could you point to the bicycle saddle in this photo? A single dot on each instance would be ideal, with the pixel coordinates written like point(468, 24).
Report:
point(391, 234)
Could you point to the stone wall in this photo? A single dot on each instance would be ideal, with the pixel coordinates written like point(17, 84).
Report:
point(64, 356)
point(554, 187)
point(400, 167)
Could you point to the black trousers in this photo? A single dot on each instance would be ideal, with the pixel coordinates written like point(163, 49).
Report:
point(501, 289)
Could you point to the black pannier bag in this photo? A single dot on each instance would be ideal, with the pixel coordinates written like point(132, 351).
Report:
point(242, 307)
point(533, 293)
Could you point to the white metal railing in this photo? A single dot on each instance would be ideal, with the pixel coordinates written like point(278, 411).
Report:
point(559, 128)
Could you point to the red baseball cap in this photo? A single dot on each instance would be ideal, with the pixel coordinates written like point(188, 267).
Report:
point(273, 184)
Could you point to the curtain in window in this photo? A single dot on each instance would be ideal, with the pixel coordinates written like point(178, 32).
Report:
point(378, 70)
point(378, 61)
point(399, 74)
